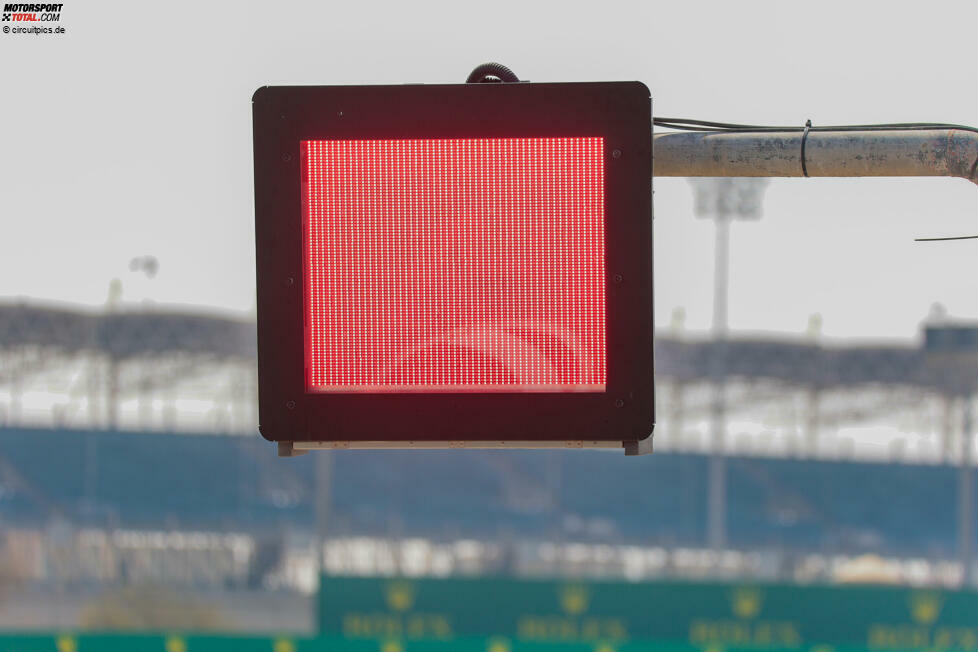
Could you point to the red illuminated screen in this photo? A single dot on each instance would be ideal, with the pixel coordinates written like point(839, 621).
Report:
point(457, 265)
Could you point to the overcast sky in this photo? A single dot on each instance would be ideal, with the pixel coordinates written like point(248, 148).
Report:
point(131, 135)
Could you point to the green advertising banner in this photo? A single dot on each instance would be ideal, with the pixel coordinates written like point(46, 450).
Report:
point(701, 615)
point(179, 643)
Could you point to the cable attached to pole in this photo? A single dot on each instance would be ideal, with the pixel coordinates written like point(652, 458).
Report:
point(955, 237)
point(804, 139)
point(491, 73)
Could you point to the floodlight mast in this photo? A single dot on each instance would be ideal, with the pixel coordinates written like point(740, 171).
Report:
point(850, 153)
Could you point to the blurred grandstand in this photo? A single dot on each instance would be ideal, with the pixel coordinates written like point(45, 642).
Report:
point(129, 454)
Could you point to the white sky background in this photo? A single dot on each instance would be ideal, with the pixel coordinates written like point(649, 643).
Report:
point(131, 135)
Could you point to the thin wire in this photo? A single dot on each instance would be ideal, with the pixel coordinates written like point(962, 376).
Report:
point(956, 237)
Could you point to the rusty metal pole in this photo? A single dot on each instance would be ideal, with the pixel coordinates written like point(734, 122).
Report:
point(891, 153)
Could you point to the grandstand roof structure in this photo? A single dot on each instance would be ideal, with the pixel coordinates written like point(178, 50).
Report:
point(125, 334)
point(149, 367)
point(156, 331)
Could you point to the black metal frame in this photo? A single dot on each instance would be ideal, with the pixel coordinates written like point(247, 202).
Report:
point(620, 112)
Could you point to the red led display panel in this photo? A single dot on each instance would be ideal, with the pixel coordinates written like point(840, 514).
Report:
point(454, 265)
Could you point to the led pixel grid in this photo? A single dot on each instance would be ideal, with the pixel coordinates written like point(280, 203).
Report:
point(454, 265)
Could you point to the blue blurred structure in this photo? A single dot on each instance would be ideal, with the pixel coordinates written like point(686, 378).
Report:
point(234, 483)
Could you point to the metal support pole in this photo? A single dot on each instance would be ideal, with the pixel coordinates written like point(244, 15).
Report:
point(721, 276)
point(717, 523)
point(894, 153)
point(947, 427)
point(323, 466)
point(554, 485)
point(813, 401)
point(112, 403)
point(717, 499)
point(94, 383)
point(677, 418)
point(90, 474)
point(965, 523)
point(723, 200)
